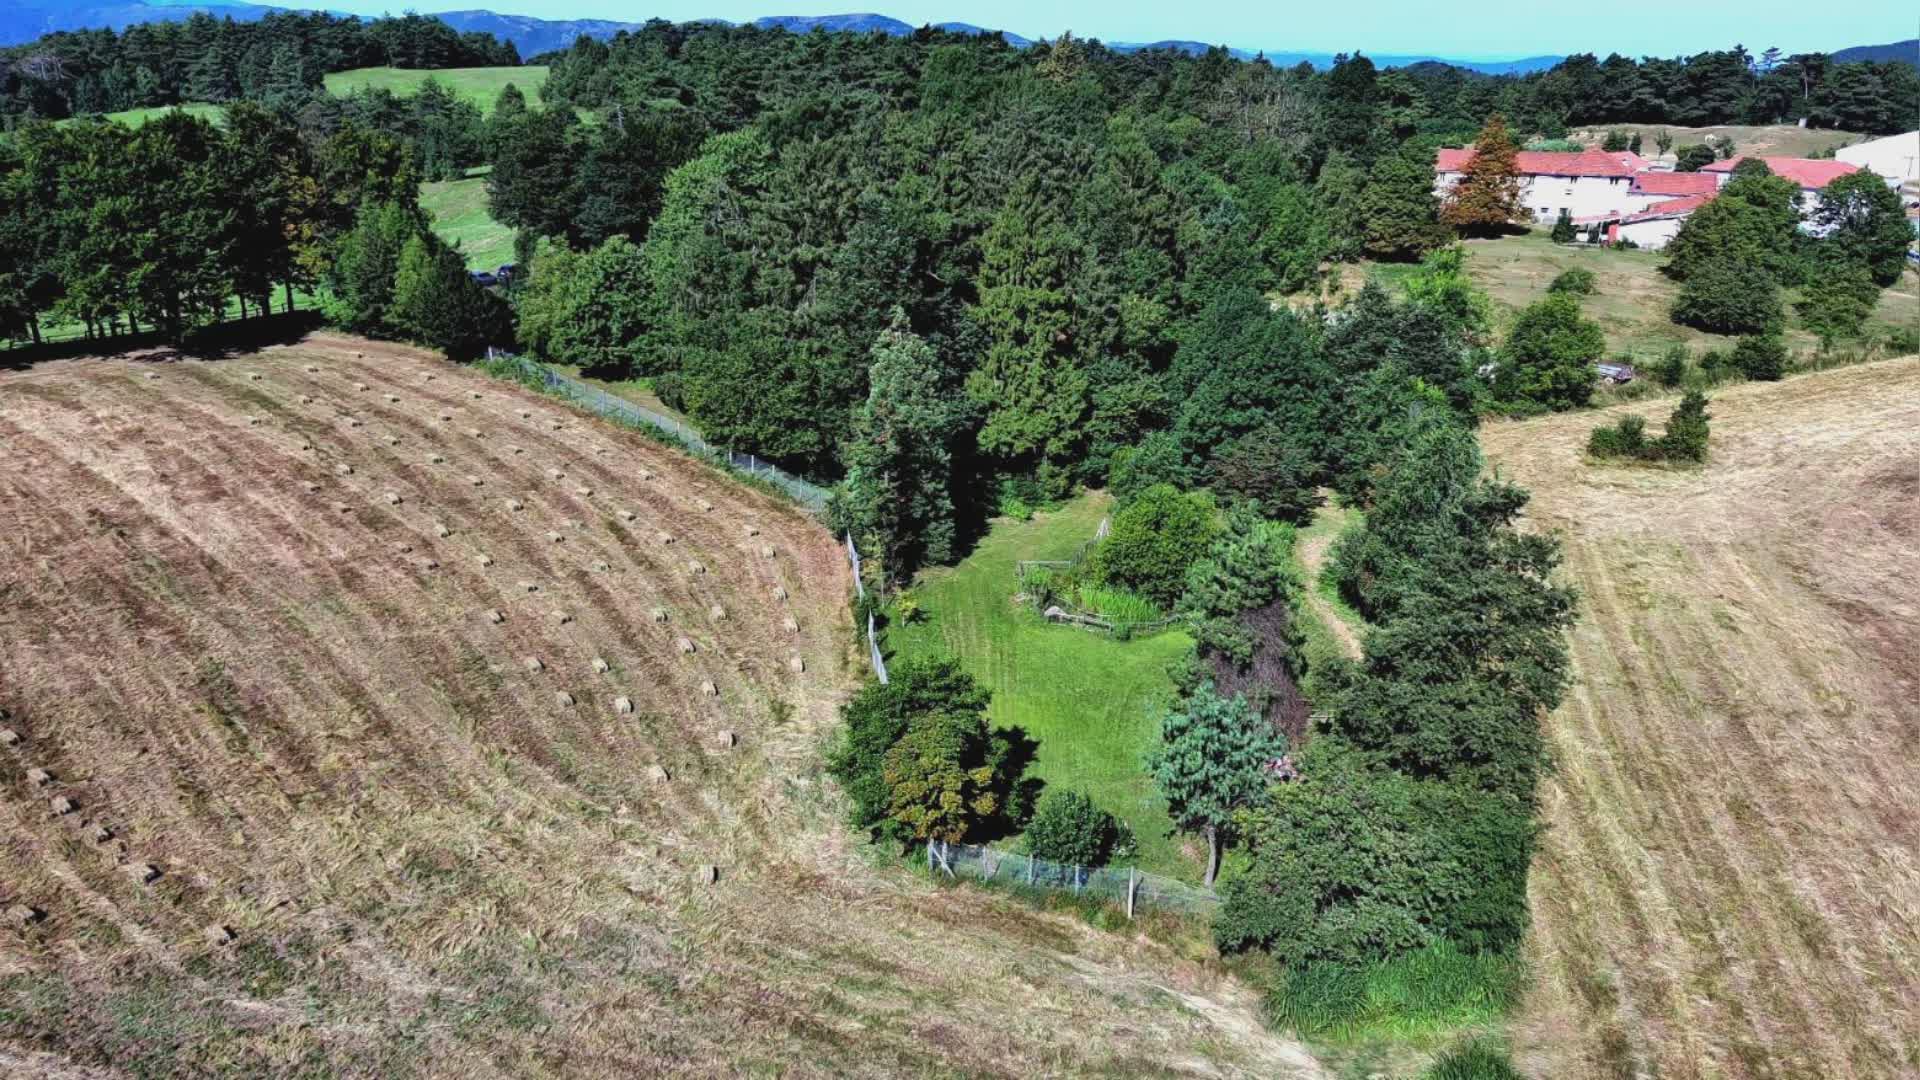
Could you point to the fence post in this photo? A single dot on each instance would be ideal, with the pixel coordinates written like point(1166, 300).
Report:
point(1133, 887)
point(1029, 867)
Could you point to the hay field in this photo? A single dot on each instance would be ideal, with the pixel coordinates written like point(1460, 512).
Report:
point(385, 845)
point(1730, 881)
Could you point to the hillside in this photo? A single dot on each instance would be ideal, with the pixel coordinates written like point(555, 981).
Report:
point(282, 797)
point(1907, 51)
point(1726, 886)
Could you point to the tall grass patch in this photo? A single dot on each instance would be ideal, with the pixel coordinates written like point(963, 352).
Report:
point(1419, 994)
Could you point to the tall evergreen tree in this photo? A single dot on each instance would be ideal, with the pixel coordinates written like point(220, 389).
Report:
point(1486, 198)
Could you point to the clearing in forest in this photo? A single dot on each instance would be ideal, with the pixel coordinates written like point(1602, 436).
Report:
point(1729, 882)
point(362, 720)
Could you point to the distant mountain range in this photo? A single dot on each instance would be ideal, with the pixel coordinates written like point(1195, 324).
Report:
point(1907, 51)
point(532, 36)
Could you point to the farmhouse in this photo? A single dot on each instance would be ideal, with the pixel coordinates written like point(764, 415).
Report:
point(1895, 158)
point(1811, 174)
point(1582, 183)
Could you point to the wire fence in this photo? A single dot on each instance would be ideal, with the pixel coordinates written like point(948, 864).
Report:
point(873, 636)
point(596, 400)
point(1046, 584)
point(1124, 887)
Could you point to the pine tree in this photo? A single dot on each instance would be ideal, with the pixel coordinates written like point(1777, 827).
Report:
point(1211, 763)
point(1339, 192)
point(1486, 199)
point(1399, 210)
point(900, 458)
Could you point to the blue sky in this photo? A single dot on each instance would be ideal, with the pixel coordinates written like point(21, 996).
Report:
point(1488, 29)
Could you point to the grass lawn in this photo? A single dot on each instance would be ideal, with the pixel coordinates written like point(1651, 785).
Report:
point(1773, 140)
point(1631, 297)
point(480, 85)
point(138, 117)
point(1093, 703)
point(458, 209)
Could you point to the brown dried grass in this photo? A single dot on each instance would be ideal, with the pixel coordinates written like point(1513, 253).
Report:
point(1728, 885)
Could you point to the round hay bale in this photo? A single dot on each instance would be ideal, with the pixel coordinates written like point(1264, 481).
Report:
point(354, 422)
point(428, 377)
point(343, 469)
point(436, 459)
point(685, 645)
point(555, 474)
point(359, 356)
point(600, 666)
point(601, 566)
point(446, 417)
point(426, 562)
point(312, 486)
point(583, 491)
point(475, 433)
point(24, 914)
point(706, 505)
point(696, 566)
point(101, 834)
point(727, 740)
point(485, 560)
point(403, 547)
point(796, 665)
point(707, 688)
point(393, 440)
point(767, 551)
point(709, 875)
point(556, 425)
point(526, 414)
point(779, 592)
point(516, 449)
point(218, 936)
point(646, 474)
point(530, 586)
point(516, 504)
point(658, 774)
point(253, 376)
point(563, 699)
point(342, 508)
point(151, 375)
point(563, 617)
point(717, 612)
point(533, 664)
point(665, 538)
point(659, 614)
point(476, 395)
point(39, 777)
point(495, 616)
point(393, 399)
point(144, 873)
point(9, 737)
point(475, 481)
point(555, 537)
point(306, 444)
point(441, 530)
point(306, 399)
point(622, 705)
point(626, 515)
point(361, 386)
point(753, 530)
point(313, 369)
point(253, 421)
point(393, 498)
point(792, 624)
point(62, 805)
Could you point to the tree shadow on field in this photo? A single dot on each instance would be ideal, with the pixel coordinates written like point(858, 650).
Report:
point(218, 342)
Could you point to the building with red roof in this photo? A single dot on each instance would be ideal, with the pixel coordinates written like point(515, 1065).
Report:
point(1583, 183)
point(1811, 174)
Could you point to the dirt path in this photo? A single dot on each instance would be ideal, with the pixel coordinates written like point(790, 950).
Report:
point(1313, 555)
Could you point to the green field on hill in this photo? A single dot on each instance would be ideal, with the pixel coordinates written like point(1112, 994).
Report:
point(481, 86)
point(458, 210)
point(1093, 703)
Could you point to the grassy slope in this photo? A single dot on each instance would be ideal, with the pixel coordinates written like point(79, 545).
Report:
point(137, 117)
point(458, 209)
point(430, 865)
point(1776, 140)
point(1726, 886)
point(1092, 702)
point(1631, 296)
point(481, 86)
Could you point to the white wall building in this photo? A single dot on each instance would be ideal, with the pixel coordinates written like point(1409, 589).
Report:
point(1584, 183)
point(1895, 159)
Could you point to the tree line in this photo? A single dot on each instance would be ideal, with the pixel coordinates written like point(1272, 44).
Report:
point(161, 227)
point(207, 60)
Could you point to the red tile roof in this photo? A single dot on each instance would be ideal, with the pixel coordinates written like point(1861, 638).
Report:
point(1812, 173)
point(1675, 183)
point(1553, 163)
point(1669, 208)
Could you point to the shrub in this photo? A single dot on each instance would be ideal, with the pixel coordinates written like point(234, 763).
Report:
point(1155, 538)
point(1477, 1060)
point(1725, 297)
point(1563, 228)
point(1693, 158)
point(1068, 828)
point(1686, 435)
point(1762, 357)
point(1156, 460)
point(1626, 439)
point(1672, 368)
point(1577, 282)
point(1549, 356)
point(1838, 302)
point(1439, 985)
point(1268, 467)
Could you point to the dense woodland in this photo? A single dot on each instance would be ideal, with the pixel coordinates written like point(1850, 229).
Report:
point(953, 278)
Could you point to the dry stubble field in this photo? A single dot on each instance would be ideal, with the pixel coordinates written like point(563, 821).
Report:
point(427, 862)
point(1730, 881)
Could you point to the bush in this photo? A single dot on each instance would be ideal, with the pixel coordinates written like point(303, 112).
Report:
point(1477, 1060)
point(1628, 438)
point(1761, 357)
point(1068, 828)
point(1563, 228)
point(1155, 538)
point(1672, 368)
point(1577, 282)
point(1549, 356)
point(1838, 302)
point(1693, 158)
point(1440, 985)
point(1725, 297)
